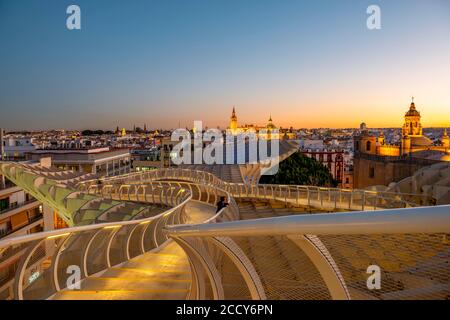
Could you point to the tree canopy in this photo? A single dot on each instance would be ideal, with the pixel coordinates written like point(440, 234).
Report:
point(298, 169)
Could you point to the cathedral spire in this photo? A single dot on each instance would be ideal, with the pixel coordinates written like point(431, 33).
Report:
point(233, 122)
point(413, 105)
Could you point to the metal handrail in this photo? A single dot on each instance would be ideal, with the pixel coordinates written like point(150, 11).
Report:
point(334, 249)
point(210, 178)
point(368, 198)
point(54, 233)
point(65, 231)
point(145, 230)
point(214, 242)
point(406, 220)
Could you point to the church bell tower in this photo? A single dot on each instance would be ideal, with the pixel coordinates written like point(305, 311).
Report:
point(412, 125)
point(233, 122)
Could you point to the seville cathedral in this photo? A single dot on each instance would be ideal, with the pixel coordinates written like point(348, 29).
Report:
point(270, 131)
point(379, 163)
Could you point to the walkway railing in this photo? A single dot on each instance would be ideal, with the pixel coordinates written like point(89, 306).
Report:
point(320, 256)
point(389, 254)
point(80, 208)
point(319, 197)
point(41, 264)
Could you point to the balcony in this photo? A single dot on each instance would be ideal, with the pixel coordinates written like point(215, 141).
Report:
point(23, 206)
point(8, 184)
point(31, 220)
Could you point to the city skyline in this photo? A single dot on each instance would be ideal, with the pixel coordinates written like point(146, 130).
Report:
point(164, 63)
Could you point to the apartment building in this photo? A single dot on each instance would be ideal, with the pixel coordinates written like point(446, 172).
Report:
point(15, 147)
point(105, 161)
point(20, 213)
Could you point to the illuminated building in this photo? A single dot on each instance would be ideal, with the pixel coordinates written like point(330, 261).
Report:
point(379, 163)
point(270, 131)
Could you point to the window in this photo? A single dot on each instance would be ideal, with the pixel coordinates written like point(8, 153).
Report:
point(368, 146)
point(4, 203)
point(371, 172)
point(347, 180)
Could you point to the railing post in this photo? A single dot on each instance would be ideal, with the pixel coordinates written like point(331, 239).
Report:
point(321, 198)
point(285, 197)
point(350, 200)
point(363, 200)
point(335, 200)
point(308, 196)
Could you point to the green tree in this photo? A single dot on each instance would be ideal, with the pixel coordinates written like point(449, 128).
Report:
point(301, 170)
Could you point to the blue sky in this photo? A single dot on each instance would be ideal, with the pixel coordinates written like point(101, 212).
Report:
point(161, 62)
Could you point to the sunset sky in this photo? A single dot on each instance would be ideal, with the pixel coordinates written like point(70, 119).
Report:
point(164, 62)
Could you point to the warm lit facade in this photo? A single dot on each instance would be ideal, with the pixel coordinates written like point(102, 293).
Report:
point(19, 212)
point(270, 131)
point(379, 163)
point(412, 140)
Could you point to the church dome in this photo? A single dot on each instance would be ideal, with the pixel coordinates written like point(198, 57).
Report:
point(412, 112)
point(270, 125)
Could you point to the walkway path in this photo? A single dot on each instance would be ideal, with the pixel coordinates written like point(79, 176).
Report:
point(155, 275)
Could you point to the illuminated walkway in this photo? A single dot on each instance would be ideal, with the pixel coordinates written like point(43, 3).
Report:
point(267, 245)
point(162, 274)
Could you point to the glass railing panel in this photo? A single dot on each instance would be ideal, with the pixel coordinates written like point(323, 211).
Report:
point(135, 242)
point(96, 254)
point(71, 254)
point(117, 249)
point(149, 231)
point(38, 277)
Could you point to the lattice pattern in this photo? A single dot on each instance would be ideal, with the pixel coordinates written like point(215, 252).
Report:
point(285, 271)
point(413, 266)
